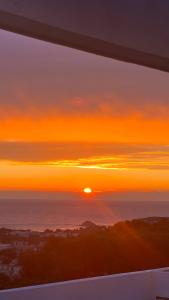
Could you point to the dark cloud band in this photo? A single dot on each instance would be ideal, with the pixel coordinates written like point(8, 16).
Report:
point(87, 155)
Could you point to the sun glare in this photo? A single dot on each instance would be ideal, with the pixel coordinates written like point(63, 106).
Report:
point(87, 190)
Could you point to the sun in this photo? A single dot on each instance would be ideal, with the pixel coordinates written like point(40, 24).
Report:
point(87, 190)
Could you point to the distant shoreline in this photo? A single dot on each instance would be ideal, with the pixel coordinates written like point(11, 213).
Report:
point(41, 215)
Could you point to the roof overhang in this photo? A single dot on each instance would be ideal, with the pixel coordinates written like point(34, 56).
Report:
point(135, 31)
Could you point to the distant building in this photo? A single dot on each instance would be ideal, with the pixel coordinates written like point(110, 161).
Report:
point(5, 246)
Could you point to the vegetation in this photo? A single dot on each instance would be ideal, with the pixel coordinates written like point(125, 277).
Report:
point(96, 251)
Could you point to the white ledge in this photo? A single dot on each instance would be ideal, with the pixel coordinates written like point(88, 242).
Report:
point(143, 285)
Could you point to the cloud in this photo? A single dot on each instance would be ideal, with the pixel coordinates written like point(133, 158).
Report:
point(115, 156)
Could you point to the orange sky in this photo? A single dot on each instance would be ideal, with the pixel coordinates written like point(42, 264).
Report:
point(69, 119)
point(89, 128)
point(69, 154)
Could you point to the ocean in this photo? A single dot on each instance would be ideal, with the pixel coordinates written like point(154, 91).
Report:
point(71, 211)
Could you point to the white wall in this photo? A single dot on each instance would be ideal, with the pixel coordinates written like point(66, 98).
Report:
point(161, 283)
point(129, 286)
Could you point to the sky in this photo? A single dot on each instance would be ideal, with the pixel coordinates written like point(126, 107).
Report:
point(70, 119)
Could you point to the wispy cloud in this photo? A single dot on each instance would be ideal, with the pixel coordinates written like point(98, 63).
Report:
point(112, 156)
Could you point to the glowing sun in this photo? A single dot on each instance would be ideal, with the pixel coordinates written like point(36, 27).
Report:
point(87, 190)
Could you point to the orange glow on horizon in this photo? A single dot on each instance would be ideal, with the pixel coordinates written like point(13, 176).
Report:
point(125, 172)
point(47, 178)
point(142, 171)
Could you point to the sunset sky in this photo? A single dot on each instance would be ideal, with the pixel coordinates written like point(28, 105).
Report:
point(70, 119)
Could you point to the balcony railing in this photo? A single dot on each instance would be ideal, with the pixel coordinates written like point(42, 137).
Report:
point(143, 285)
